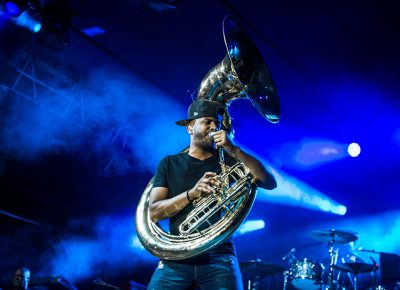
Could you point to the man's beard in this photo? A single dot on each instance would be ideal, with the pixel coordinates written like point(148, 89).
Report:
point(205, 141)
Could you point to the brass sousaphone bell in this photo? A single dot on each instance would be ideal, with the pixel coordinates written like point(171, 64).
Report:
point(241, 74)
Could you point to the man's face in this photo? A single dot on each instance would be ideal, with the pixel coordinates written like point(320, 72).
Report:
point(21, 279)
point(200, 129)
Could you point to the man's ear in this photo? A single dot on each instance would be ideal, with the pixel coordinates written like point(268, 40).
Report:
point(190, 129)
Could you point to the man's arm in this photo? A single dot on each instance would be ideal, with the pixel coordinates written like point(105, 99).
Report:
point(264, 178)
point(162, 207)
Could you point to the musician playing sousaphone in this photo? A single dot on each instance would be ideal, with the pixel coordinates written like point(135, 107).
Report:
point(184, 177)
point(208, 189)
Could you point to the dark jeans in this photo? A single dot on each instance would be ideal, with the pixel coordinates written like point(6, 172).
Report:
point(222, 273)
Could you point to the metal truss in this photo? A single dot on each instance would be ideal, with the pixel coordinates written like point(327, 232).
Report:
point(43, 85)
point(50, 89)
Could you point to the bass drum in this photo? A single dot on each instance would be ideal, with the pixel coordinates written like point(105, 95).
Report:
point(305, 274)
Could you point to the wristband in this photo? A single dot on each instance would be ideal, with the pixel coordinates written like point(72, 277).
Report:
point(188, 197)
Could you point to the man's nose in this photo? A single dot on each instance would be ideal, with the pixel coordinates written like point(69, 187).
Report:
point(214, 125)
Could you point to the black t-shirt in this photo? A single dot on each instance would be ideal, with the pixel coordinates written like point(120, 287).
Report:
point(181, 172)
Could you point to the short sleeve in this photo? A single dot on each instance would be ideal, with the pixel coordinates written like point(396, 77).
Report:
point(160, 177)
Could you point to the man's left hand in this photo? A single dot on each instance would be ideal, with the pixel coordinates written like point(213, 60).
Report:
point(221, 139)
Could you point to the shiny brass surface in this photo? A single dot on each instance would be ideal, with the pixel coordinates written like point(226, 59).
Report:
point(241, 74)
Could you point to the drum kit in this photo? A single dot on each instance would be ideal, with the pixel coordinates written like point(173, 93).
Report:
point(308, 274)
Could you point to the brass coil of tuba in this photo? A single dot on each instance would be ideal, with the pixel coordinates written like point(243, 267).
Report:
point(241, 74)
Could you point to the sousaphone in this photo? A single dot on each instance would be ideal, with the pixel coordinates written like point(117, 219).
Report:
point(242, 74)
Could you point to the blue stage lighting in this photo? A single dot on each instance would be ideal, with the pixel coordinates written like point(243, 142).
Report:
point(3, 19)
point(311, 153)
point(396, 136)
point(136, 243)
point(250, 226)
point(292, 191)
point(12, 9)
point(24, 15)
point(354, 149)
point(340, 210)
point(93, 31)
point(29, 19)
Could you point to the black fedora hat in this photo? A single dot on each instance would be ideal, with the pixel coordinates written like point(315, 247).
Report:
point(202, 108)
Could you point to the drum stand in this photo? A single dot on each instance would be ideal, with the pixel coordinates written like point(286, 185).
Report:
point(333, 236)
point(257, 270)
point(285, 279)
point(333, 259)
point(253, 284)
point(355, 282)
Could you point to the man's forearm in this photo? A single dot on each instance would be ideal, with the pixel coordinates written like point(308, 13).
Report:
point(264, 177)
point(166, 208)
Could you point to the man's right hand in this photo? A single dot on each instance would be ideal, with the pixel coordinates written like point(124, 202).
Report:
point(204, 186)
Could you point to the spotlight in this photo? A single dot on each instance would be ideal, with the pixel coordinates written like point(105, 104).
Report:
point(250, 226)
point(12, 9)
point(23, 14)
point(29, 19)
point(354, 149)
point(340, 210)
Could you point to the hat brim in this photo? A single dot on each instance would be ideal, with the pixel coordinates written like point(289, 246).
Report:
point(200, 109)
point(183, 122)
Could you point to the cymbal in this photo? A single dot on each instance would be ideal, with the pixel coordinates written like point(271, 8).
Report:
point(355, 268)
point(340, 237)
point(260, 268)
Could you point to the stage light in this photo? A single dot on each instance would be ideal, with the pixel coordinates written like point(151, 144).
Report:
point(250, 226)
point(12, 9)
point(310, 153)
point(29, 19)
point(340, 210)
point(93, 31)
point(23, 14)
point(354, 149)
point(294, 192)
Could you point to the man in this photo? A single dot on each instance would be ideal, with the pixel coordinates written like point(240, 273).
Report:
point(21, 279)
point(182, 178)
